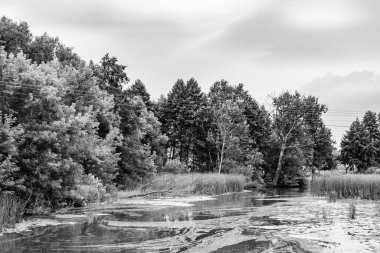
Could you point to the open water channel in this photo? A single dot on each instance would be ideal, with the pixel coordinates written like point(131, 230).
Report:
point(270, 221)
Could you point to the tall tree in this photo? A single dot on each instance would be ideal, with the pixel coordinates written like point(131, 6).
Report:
point(292, 116)
point(257, 117)
point(323, 148)
point(42, 48)
point(62, 129)
point(138, 89)
point(231, 133)
point(111, 75)
point(10, 140)
point(179, 115)
point(15, 37)
point(360, 145)
point(351, 145)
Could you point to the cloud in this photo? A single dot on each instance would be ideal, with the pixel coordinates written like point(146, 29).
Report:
point(347, 97)
point(355, 91)
point(307, 31)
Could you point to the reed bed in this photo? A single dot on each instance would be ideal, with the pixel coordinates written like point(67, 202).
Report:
point(349, 186)
point(11, 210)
point(197, 183)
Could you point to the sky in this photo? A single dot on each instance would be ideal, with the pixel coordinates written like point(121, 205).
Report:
point(326, 48)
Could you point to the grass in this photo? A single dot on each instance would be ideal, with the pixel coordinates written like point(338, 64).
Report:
point(352, 211)
point(350, 186)
point(11, 210)
point(196, 183)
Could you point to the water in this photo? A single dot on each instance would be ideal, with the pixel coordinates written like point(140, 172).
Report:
point(272, 221)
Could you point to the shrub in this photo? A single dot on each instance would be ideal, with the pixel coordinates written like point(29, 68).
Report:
point(174, 167)
point(91, 189)
point(372, 170)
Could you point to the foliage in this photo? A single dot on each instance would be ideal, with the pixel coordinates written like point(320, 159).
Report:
point(90, 189)
point(295, 119)
point(257, 117)
point(14, 37)
point(360, 146)
point(181, 122)
point(10, 140)
point(174, 167)
point(138, 90)
point(111, 74)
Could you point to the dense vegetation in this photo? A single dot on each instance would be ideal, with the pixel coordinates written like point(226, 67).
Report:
point(360, 146)
point(71, 130)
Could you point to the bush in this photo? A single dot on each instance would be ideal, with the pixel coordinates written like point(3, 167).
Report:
point(372, 170)
point(174, 167)
point(91, 189)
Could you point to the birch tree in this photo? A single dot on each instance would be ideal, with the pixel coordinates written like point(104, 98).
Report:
point(231, 129)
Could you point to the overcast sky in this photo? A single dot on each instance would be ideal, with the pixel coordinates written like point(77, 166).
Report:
point(329, 48)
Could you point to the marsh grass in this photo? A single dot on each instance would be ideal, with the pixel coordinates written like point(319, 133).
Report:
point(196, 183)
point(352, 211)
point(377, 208)
point(347, 186)
point(11, 210)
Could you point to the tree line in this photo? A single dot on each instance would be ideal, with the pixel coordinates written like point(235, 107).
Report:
point(68, 126)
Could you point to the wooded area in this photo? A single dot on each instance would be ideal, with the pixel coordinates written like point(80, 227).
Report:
point(72, 129)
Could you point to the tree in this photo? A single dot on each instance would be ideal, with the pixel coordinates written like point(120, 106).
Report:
point(42, 48)
point(10, 140)
point(323, 156)
point(351, 146)
point(142, 141)
point(57, 109)
point(45, 48)
point(257, 117)
point(138, 89)
point(360, 144)
point(15, 37)
point(111, 75)
point(179, 115)
point(372, 147)
point(231, 130)
point(293, 115)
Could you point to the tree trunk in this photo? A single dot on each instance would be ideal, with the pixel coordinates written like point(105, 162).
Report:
point(279, 165)
point(173, 150)
point(221, 156)
point(313, 173)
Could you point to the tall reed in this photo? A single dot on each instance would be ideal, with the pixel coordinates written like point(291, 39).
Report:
point(197, 183)
point(11, 210)
point(347, 186)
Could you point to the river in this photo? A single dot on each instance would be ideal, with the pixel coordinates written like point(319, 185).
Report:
point(259, 221)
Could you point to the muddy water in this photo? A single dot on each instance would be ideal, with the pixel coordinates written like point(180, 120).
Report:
point(289, 221)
